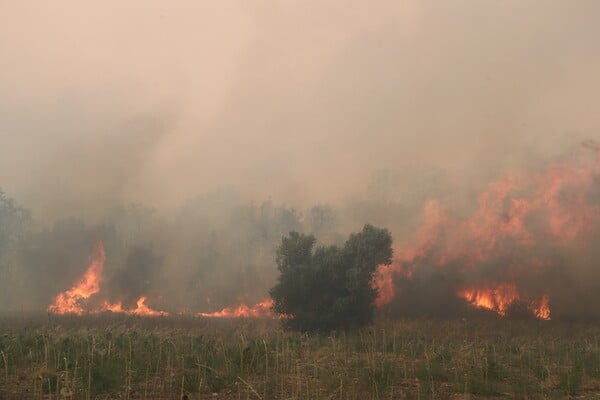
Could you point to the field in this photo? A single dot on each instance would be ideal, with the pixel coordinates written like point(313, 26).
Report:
point(123, 357)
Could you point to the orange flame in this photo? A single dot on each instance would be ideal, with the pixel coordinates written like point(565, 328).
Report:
point(497, 299)
point(260, 310)
point(107, 306)
point(501, 297)
point(542, 310)
point(141, 308)
point(383, 282)
point(405, 256)
point(71, 300)
point(557, 198)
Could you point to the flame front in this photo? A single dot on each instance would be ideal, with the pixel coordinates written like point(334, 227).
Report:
point(497, 299)
point(501, 297)
point(501, 254)
point(259, 310)
point(519, 222)
point(71, 300)
point(143, 309)
point(107, 306)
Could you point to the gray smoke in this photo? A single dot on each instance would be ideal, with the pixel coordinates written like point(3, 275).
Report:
point(189, 137)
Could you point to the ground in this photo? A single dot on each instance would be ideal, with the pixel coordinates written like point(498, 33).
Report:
point(125, 357)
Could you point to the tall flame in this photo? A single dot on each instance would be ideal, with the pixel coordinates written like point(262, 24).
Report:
point(71, 300)
point(515, 216)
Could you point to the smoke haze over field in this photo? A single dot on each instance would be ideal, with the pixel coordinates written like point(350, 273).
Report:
point(230, 123)
point(109, 102)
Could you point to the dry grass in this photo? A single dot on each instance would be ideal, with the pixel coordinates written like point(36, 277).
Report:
point(116, 357)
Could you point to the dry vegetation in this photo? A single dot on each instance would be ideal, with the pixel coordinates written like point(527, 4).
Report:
point(120, 357)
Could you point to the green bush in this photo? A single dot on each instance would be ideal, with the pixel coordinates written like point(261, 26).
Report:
point(330, 287)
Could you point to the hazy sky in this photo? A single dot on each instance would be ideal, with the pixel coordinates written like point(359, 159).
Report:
point(105, 102)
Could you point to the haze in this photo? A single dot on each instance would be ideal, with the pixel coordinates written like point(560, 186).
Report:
point(189, 136)
point(106, 103)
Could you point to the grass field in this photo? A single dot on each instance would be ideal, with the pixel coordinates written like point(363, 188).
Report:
point(124, 357)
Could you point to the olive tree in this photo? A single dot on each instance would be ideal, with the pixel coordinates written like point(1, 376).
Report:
point(329, 287)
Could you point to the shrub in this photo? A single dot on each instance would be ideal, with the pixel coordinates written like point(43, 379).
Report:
point(329, 287)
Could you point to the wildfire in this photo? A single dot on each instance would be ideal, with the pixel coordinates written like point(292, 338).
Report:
point(516, 218)
point(518, 224)
point(383, 282)
point(406, 256)
point(141, 308)
point(71, 300)
point(542, 310)
point(501, 297)
point(107, 306)
point(259, 310)
point(497, 299)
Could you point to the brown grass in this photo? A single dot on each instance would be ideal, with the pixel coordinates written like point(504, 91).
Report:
point(111, 356)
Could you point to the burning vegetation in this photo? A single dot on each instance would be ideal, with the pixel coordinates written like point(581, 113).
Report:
point(260, 310)
point(527, 249)
point(71, 301)
point(76, 300)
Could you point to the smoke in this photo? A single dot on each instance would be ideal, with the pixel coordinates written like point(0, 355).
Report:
point(189, 137)
point(528, 248)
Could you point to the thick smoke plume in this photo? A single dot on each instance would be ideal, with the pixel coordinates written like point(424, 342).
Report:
point(188, 138)
point(528, 249)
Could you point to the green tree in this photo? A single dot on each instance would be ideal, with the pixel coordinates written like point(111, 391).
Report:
point(329, 287)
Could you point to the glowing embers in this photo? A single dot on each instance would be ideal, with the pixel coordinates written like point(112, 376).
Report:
point(76, 299)
point(502, 297)
point(259, 310)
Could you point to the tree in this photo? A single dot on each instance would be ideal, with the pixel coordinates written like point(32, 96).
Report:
point(329, 287)
point(14, 221)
